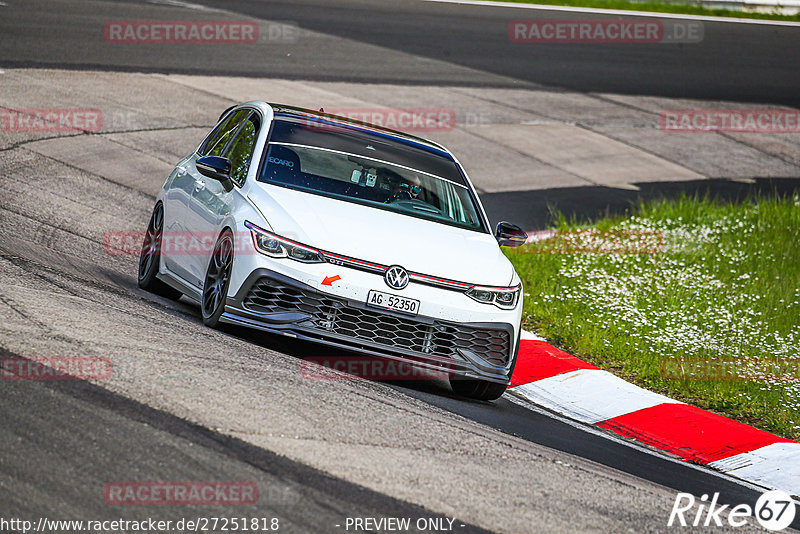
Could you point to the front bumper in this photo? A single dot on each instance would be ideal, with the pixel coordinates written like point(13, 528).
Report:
point(273, 302)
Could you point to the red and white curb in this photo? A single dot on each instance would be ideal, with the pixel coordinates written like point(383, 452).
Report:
point(564, 384)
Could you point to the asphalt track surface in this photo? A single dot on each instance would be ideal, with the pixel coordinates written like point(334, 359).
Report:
point(49, 466)
point(61, 441)
point(735, 62)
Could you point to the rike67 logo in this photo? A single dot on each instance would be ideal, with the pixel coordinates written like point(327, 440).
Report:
point(774, 510)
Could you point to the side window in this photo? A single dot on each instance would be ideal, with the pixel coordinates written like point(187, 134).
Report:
point(216, 142)
point(240, 150)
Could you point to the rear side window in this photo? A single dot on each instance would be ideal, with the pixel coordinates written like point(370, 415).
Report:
point(215, 143)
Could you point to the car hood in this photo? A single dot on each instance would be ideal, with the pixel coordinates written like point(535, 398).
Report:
point(380, 236)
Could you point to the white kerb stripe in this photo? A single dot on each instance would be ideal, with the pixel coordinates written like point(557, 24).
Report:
point(589, 395)
point(775, 466)
point(530, 336)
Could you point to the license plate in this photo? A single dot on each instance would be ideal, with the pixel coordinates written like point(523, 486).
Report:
point(388, 301)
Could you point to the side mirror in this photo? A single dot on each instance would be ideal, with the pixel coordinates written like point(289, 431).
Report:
point(217, 168)
point(510, 235)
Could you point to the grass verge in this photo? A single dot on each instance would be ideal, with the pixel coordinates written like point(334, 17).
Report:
point(662, 7)
point(694, 298)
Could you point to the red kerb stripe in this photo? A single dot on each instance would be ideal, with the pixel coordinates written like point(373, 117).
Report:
point(693, 434)
point(539, 359)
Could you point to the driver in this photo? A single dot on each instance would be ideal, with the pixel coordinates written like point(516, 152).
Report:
point(401, 187)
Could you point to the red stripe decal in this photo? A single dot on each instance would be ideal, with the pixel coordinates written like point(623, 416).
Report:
point(539, 359)
point(689, 432)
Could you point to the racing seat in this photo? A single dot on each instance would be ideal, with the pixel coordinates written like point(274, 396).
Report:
point(283, 165)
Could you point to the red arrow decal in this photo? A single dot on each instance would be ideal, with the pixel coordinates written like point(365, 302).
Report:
point(330, 280)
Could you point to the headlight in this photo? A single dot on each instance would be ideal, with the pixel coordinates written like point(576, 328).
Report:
point(276, 246)
point(504, 297)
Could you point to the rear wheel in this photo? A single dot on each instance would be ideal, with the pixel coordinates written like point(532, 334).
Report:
point(150, 257)
point(218, 276)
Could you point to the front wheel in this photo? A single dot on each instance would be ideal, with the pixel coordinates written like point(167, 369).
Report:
point(477, 389)
point(218, 277)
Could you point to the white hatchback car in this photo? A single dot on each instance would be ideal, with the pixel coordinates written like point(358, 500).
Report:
point(311, 225)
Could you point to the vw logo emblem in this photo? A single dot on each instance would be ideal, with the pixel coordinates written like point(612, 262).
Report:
point(396, 277)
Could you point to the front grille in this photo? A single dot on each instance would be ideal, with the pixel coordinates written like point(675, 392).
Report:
point(336, 316)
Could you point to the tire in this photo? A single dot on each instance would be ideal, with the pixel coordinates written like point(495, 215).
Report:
point(481, 390)
point(477, 389)
point(150, 257)
point(217, 280)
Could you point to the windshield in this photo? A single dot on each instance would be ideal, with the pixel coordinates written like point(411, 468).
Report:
point(370, 181)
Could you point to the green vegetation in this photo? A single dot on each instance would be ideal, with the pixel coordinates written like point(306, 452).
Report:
point(694, 298)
